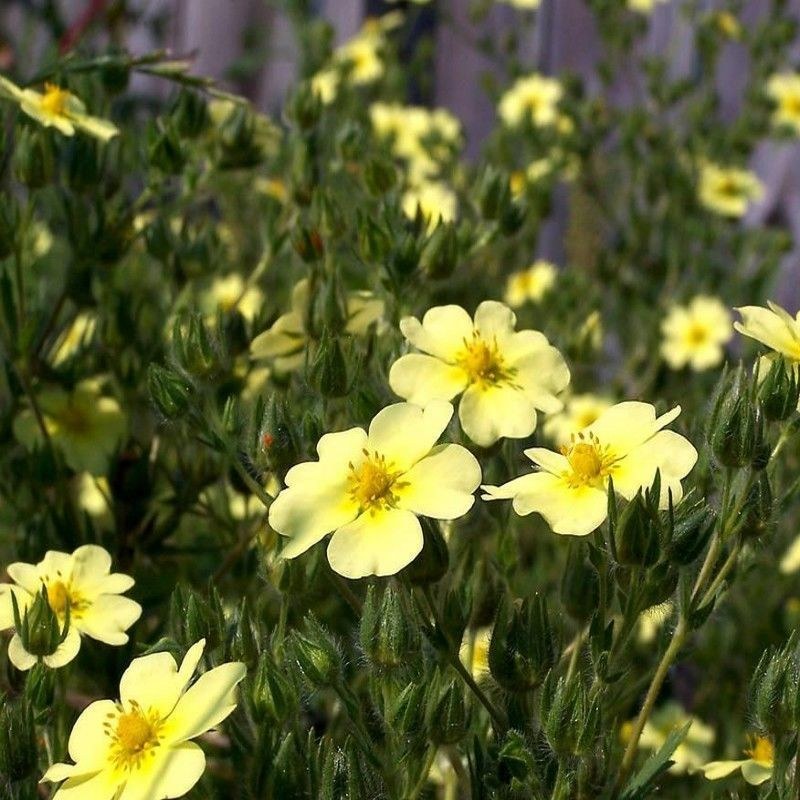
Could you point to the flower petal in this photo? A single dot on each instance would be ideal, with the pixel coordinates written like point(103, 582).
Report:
point(490, 413)
point(494, 320)
point(18, 655)
point(101, 785)
point(66, 651)
point(715, 770)
point(755, 773)
point(442, 332)
point(548, 460)
point(206, 703)
point(376, 544)
point(441, 484)
point(626, 425)
point(88, 742)
point(172, 773)
point(419, 378)
point(771, 328)
point(108, 617)
point(405, 432)
point(572, 511)
point(26, 575)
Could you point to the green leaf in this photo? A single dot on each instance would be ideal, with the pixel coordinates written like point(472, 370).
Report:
point(655, 766)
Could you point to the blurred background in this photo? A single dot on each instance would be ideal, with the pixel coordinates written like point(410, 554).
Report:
point(249, 46)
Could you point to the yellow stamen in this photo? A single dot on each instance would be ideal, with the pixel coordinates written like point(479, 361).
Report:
point(761, 751)
point(61, 595)
point(374, 484)
point(588, 459)
point(697, 334)
point(134, 735)
point(54, 100)
point(481, 360)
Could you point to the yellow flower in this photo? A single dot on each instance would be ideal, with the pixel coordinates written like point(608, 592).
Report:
point(74, 339)
point(84, 425)
point(728, 25)
point(791, 559)
point(325, 84)
point(578, 413)
point(784, 89)
point(531, 284)
point(728, 190)
point(774, 326)
point(434, 200)
point(286, 340)
point(525, 5)
point(59, 109)
point(644, 6)
point(505, 375)
point(93, 495)
point(652, 621)
point(692, 752)
point(474, 652)
point(230, 292)
point(533, 98)
point(139, 747)
point(369, 488)
point(695, 334)
point(756, 769)
point(626, 444)
point(82, 582)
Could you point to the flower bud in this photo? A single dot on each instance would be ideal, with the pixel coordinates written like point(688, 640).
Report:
point(115, 75)
point(9, 223)
point(374, 243)
point(272, 696)
point(40, 686)
point(164, 150)
point(192, 617)
point(350, 141)
point(18, 748)
point(522, 649)
point(407, 715)
point(513, 217)
point(387, 636)
point(345, 776)
point(308, 244)
point(158, 239)
point(457, 611)
point(190, 114)
point(238, 146)
point(404, 257)
point(434, 559)
point(580, 585)
point(448, 716)
point(757, 509)
point(734, 432)
point(316, 653)
point(380, 175)
point(192, 346)
point(773, 675)
point(779, 392)
point(690, 533)
point(439, 256)
point(38, 627)
point(169, 392)
point(636, 534)
point(277, 441)
point(494, 194)
point(328, 370)
point(34, 160)
point(304, 107)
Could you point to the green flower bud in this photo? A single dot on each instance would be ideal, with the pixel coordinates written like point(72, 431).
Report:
point(34, 161)
point(457, 611)
point(448, 716)
point(238, 146)
point(522, 648)
point(190, 114)
point(494, 194)
point(513, 217)
point(350, 141)
point(734, 434)
point(374, 243)
point(277, 441)
point(332, 220)
point(328, 371)
point(758, 506)
point(40, 686)
point(407, 714)
point(431, 564)
point(580, 585)
point(439, 256)
point(164, 150)
point(779, 392)
point(192, 347)
point(662, 580)
point(636, 534)
point(116, 75)
point(690, 533)
point(159, 240)
point(380, 175)
point(272, 696)
point(18, 748)
point(9, 223)
point(773, 675)
point(304, 107)
point(169, 392)
point(388, 637)
point(192, 617)
point(404, 257)
point(570, 720)
point(304, 177)
point(316, 653)
point(38, 627)
point(308, 244)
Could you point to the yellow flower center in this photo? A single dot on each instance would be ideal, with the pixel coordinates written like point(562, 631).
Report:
point(730, 187)
point(54, 100)
point(481, 360)
point(697, 334)
point(761, 751)
point(374, 484)
point(74, 419)
point(134, 736)
point(589, 461)
point(61, 595)
point(58, 597)
point(791, 105)
point(585, 419)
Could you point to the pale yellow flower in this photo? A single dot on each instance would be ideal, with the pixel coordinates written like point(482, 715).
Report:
point(728, 24)
point(728, 190)
point(86, 426)
point(59, 109)
point(505, 375)
point(229, 292)
point(695, 748)
point(626, 444)
point(434, 200)
point(530, 285)
point(81, 582)
point(784, 90)
point(533, 98)
point(93, 494)
point(644, 6)
point(578, 413)
point(325, 84)
point(361, 57)
point(791, 559)
point(696, 334)
point(474, 652)
point(139, 747)
point(285, 342)
point(369, 488)
point(756, 769)
point(74, 339)
point(525, 5)
point(774, 326)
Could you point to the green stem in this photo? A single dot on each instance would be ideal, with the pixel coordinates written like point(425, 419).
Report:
point(423, 778)
point(727, 566)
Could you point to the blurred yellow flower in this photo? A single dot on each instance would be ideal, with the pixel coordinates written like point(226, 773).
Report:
point(229, 292)
point(530, 285)
point(692, 752)
point(728, 190)
point(695, 334)
point(81, 583)
point(533, 98)
point(525, 5)
point(774, 326)
point(85, 426)
point(784, 90)
point(727, 24)
point(626, 444)
point(369, 488)
point(59, 109)
point(644, 6)
point(505, 375)
point(74, 339)
point(434, 200)
point(756, 769)
point(285, 342)
point(474, 652)
point(139, 746)
point(578, 413)
point(325, 84)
